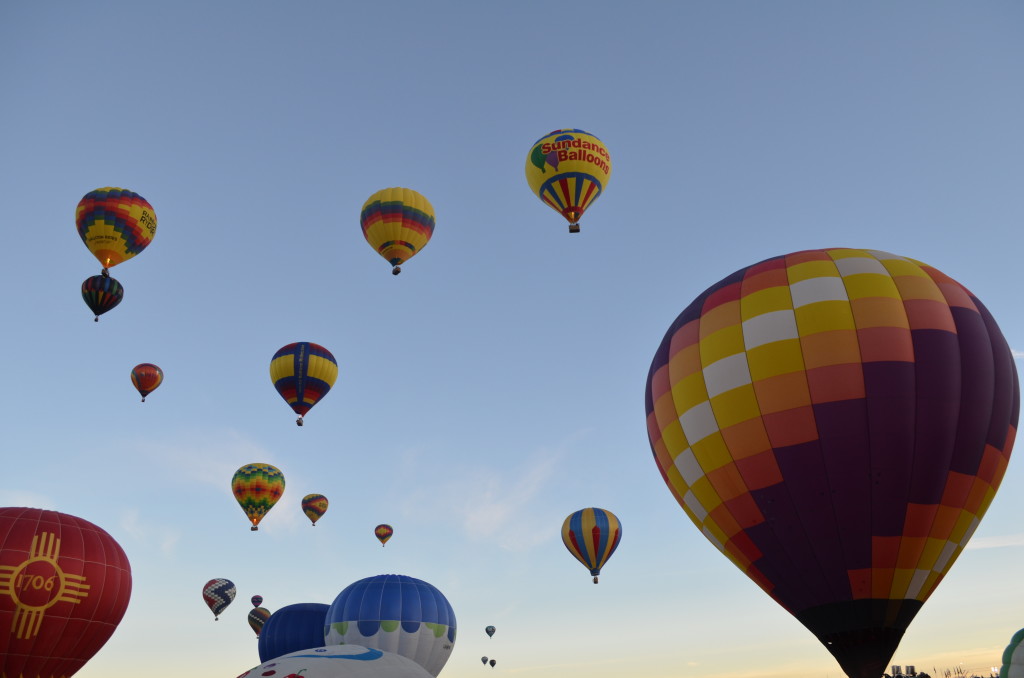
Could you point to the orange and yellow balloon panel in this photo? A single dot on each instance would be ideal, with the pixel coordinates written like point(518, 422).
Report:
point(115, 224)
point(836, 422)
point(568, 169)
point(398, 223)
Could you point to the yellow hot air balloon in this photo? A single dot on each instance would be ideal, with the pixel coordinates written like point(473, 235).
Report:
point(568, 169)
point(398, 223)
point(115, 224)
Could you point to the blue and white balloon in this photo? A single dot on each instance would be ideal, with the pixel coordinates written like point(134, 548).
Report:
point(338, 661)
point(394, 613)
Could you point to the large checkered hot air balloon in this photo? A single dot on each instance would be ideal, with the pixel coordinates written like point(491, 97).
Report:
point(568, 169)
point(836, 422)
point(398, 223)
point(303, 373)
point(64, 587)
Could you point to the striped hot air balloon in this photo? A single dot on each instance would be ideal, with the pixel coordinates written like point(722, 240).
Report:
point(303, 373)
point(592, 535)
point(398, 223)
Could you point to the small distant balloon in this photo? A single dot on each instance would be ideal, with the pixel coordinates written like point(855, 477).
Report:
point(257, 487)
point(257, 617)
point(383, 533)
point(489, 631)
point(591, 535)
point(314, 506)
point(398, 223)
point(256, 600)
point(101, 293)
point(115, 224)
point(218, 594)
point(303, 373)
point(146, 377)
point(484, 660)
point(493, 662)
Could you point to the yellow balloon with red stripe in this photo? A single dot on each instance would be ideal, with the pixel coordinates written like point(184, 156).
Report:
point(115, 224)
point(568, 170)
point(398, 223)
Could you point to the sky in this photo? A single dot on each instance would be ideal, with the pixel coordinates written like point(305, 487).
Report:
point(497, 384)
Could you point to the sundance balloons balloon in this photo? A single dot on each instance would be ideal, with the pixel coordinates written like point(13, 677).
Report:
point(115, 224)
point(64, 587)
point(383, 532)
point(592, 535)
point(568, 169)
point(257, 487)
point(258, 616)
point(338, 661)
point(836, 422)
point(293, 628)
point(218, 594)
point(303, 373)
point(394, 613)
point(314, 506)
point(1013, 657)
point(146, 377)
point(398, 223)
point(101, 293)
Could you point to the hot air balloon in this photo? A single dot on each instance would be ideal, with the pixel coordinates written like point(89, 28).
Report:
point(493, 662)
point(115, 224)
point(257, 487)
point(489, 631)
point(836, 422)
point(64, 587)
point(592, 535)
point(303, 373)
point(484, 660)
point(218, 594)
point(292, 628)
point(1013, 657)
point(568, 169)
point(394, 613)
point(257, 618)
point(146, 377)
point(398, 223)
point(314, 506)
point(256, 600)
point(101, 293)
point(337, 661)
point(383, 533)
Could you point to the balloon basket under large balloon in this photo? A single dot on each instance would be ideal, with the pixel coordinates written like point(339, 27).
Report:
point(299, 422)
point(253, 528)
point(595, 580)
point(574, 227)
point(396, 270)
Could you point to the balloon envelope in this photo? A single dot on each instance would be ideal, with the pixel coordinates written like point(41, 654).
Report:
point(256, 600)
point(218, 594)
point(394, 613)
point(293, 628)
point(115, 224)
point(303, 373)
point(489, 631)
point(836, 422)
point(314, 506)
point(257, 487)
point(64, 587)
point(592, 535)
point(383, 532)
point(398, 223)
point(338, 661)
point(101, 293)
point(146, 377)
point(568, 170)
point(257, 618)
point(1013, 657)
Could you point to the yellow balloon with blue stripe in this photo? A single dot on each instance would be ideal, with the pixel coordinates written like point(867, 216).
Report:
point(303, 373)
point(568, 170)
point(592, 535)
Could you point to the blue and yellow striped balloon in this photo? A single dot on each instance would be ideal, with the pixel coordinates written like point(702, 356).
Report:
point(592, 535)
point(303, 373)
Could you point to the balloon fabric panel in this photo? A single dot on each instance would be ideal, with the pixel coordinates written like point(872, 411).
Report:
point(115, 224)
point(795, 394)
point(65, 587)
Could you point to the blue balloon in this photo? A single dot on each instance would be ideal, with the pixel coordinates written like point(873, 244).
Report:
point(292, 628)
point(394, 613)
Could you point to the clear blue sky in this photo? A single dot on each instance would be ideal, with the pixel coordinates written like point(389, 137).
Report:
point(497, 384)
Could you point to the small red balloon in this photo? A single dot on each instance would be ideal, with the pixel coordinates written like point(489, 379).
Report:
point(147, 377)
